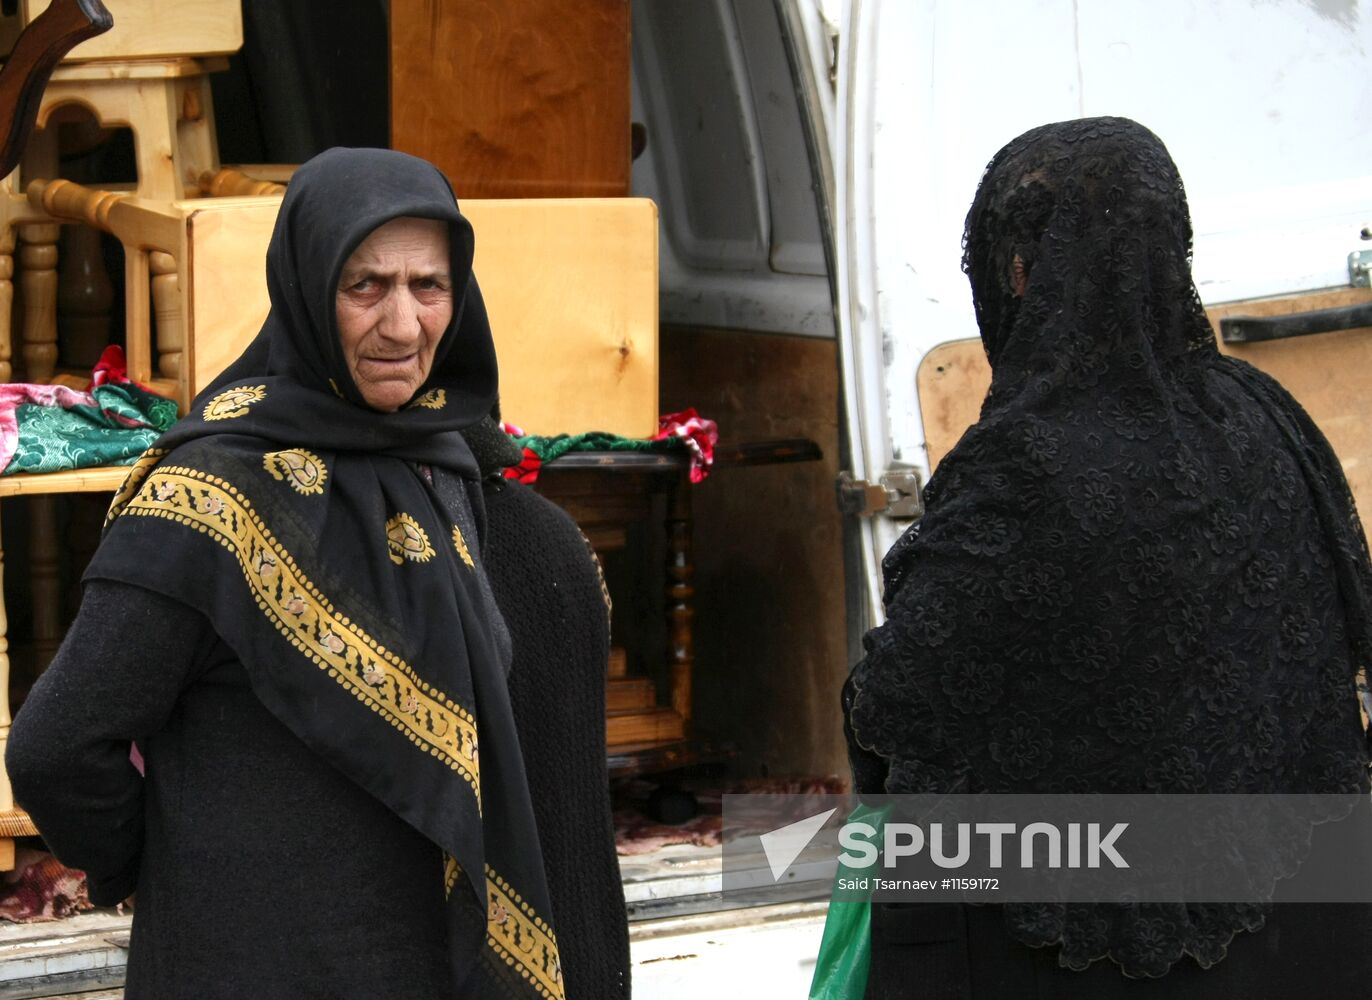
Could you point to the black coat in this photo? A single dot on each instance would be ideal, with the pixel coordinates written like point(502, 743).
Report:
point(260, 869)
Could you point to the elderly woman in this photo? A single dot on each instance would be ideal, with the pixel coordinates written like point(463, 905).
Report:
point(1141, 570)
point(288, 614)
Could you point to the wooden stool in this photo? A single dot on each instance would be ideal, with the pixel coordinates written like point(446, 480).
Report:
point(166, 103)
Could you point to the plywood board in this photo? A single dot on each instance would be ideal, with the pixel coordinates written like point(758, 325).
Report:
point(514, 100)
point(227, 240)
point(146, 29)
point(571, 287)
point(952, 381)
point(1329, 373)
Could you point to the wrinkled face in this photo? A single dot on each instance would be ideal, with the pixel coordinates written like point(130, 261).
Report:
point(394, 300)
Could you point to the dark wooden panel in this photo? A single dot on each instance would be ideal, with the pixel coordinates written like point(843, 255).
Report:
point(770, 628)
point(642, 726)
point(526, 99)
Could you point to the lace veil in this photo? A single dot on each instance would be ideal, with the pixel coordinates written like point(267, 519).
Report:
point(1141, 570)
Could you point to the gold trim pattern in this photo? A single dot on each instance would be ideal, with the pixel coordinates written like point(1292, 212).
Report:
point(137, 473)
point(460, 544)
point(234, 402)
point(375, 675)
point(519, 936)
point(303, 470)
point(434, 399)
point(407, 540)
point(451, 870)
point(336, 390)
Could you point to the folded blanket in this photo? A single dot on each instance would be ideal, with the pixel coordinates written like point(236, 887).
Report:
point(49, 428)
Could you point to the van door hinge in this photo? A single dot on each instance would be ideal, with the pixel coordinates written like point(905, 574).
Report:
point(896, 494)
point(1360, 268)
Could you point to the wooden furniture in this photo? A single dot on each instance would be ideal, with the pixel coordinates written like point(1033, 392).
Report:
point(195, 265)
point(29, 62)
point(142, 74)
point(606, 492)
point(514, 100)
point(167, 105)
point(144, 29)
point(229, 182)
point(571, 287)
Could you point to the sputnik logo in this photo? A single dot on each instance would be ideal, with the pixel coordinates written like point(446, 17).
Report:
point(782, 846)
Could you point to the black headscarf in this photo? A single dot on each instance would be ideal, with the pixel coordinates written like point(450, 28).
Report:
point(1141, 570)
point(298, 521)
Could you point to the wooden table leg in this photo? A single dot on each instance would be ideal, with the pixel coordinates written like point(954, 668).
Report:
point(680, 591)
point(166, 304)
point(6, 299)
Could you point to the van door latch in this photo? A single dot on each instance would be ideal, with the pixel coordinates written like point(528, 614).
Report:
point(896, 494)
point(1360, 268)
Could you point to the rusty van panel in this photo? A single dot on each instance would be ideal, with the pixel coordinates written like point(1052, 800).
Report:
point(1330, 373)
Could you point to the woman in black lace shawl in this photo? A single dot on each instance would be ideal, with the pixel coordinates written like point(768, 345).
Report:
point(1141, 570)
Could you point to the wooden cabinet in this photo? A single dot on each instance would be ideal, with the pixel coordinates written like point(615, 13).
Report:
point(514, 100)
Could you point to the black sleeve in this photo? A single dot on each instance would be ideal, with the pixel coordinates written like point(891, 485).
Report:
point(116, 678)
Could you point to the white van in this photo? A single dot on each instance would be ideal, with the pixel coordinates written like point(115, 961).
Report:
point(813, 161)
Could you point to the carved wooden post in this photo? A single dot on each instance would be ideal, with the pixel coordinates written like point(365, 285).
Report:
point(84, 297)
point(166, 304)
point(6, 301)
point(64, 199)
point(680, 590)
point(38, 278)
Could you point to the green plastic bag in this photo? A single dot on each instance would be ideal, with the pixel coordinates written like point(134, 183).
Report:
point(845, 951)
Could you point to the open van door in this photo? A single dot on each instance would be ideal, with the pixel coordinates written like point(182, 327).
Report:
point(1262, 110)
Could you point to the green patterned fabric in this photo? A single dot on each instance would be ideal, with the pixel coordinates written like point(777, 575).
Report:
point(551, 448)
point(115, 431)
